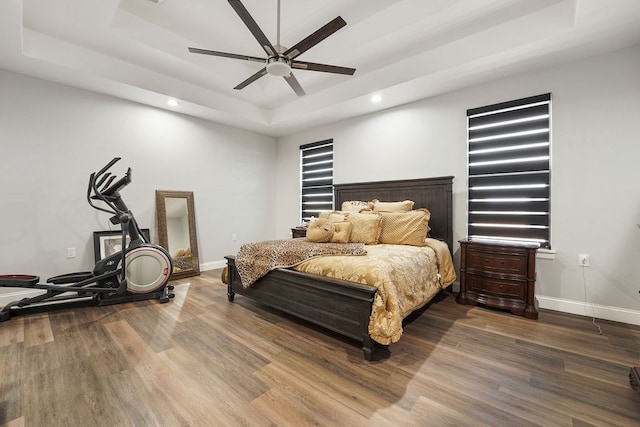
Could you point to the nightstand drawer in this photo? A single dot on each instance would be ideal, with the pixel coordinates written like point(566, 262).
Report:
point(499, 263)
point(499, 288)
point(298, 232)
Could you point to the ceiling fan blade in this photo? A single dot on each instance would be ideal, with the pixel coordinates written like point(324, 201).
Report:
point(311, 66)
point(251, 79)
point(293, 82)
point(315, 38)
point(243, 13)
point(226, 55)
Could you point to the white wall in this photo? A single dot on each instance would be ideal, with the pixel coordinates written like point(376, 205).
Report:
point(595, 173)
point(53, 136)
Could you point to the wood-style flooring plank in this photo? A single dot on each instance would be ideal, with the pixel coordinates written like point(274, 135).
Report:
point(37, 330)
point(201, 360)
point(181, 404)
point(12, 335)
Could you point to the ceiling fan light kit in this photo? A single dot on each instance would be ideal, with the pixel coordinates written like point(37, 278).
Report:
point(278, 66)
point(279, 62)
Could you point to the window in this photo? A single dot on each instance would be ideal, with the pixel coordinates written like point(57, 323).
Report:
point(509, 146)
point(316, 161)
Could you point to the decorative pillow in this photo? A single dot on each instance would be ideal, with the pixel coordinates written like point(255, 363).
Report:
point(338, 217)
point(342, 232)
point(405, 228)
point(356, 206)
point(320, 231)
point(366, 228)
point(334, 216)
point(404, 206)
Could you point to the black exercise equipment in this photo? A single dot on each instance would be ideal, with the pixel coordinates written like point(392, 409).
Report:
point(139, 272)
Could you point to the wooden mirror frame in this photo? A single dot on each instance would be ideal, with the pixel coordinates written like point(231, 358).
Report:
point(163, 236)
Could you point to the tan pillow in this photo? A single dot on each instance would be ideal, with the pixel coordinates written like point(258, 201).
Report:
point(356, 206)
point(405, 228)
point(404, 206)
point(338, 217)
point(320, 231)
point(366, 227)
point(342, 232)
point(334, 216)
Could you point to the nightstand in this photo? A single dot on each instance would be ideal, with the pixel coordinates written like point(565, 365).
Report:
point(298, 232)
point(499, 274)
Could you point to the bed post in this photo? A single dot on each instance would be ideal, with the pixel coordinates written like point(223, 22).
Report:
point(368, 347)
point(231, 266)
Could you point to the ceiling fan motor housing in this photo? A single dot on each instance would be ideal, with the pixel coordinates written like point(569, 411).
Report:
point(278, 66)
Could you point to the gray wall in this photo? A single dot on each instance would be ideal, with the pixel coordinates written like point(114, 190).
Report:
point(53, 136)
point(595, 173)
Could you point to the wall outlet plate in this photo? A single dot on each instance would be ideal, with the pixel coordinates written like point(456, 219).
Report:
point(583, 260)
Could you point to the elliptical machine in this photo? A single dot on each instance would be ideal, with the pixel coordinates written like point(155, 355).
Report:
point(139, 272)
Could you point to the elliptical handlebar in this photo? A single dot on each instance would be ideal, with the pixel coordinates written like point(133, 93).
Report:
point(102, 187)
point(116, 186)
point(108, 166)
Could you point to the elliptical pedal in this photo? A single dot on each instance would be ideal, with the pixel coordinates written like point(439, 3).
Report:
point(19, 280)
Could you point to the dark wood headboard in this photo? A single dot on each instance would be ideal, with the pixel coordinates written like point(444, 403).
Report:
point(435, 194)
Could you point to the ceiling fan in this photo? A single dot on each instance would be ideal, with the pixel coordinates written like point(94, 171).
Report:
point(280, 61)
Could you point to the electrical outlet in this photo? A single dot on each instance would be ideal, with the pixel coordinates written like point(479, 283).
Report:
point(234, 237)
point(583, 260)
point(71, 252)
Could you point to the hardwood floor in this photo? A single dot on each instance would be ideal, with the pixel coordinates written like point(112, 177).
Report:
point(203, 361)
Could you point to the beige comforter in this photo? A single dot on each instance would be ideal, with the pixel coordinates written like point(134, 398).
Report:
point(404, 280)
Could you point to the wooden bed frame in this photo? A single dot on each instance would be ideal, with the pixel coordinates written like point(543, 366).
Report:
point(340, 306)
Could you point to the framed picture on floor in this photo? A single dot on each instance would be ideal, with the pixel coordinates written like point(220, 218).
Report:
point(106, 243)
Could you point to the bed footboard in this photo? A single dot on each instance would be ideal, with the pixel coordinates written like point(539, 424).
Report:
point(337, 305)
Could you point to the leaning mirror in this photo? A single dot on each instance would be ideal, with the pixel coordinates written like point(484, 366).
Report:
point(177, 231)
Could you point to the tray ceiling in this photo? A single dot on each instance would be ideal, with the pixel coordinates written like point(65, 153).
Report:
point(404, 50)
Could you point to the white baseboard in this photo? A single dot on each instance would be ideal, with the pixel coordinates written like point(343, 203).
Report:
point(581, 308)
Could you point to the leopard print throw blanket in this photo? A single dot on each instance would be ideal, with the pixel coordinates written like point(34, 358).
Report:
point(254, 260)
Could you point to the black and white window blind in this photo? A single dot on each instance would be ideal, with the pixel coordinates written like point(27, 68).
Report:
point(509, 146)
point(316, 161)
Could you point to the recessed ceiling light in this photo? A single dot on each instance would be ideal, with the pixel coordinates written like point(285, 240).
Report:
point(173, 102)
point(376, 99)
